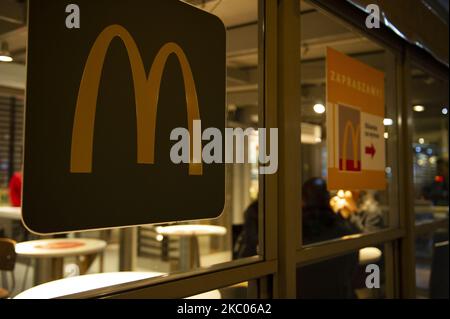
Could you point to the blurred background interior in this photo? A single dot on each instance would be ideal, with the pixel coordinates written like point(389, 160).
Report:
point(157, 250)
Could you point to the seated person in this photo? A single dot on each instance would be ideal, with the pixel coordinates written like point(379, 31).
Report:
point(360, 208)
point(247, 242)
point(320, 223)
point(327, 279)
point(330, 278)
point(368, 216)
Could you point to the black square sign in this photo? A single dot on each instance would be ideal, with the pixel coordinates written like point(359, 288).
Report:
point(108, 81)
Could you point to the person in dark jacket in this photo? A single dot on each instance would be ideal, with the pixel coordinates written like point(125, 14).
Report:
point(247, 242)
point(330, 278)
point(319, 221)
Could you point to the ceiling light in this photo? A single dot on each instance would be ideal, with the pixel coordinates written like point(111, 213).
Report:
point(421, 140)
point(5, 55)
point(319, 108)
point(419, 108)
point(388, 122)
point(444, 110)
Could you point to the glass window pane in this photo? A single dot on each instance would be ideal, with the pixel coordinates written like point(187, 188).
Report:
point(432, 264)
point(429, 103)
point(332, 214)
point(356, 275)
point(152, 251)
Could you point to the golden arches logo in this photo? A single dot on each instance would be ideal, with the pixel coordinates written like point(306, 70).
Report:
point(355, 133)
point(146, 91)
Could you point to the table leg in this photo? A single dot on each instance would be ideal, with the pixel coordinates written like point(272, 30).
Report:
point(48, 269)
point(189, 253)
point(128, 249)
point(85, 262)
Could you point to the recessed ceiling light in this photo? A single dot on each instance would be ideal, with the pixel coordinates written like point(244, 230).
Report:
point(319, 108)
point(419, 108)
point(444, 110)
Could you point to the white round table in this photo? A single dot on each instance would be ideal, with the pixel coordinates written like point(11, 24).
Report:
point(189, 247)
point(214, 294)
point(78, 284)
point(191, 230)
point(50, 253)
point(369, 255)
point(10, 212)
point(74, 285)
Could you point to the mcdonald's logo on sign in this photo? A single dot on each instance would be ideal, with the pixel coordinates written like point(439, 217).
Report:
point(100, 109)
point(146, 91)
point(349, 139)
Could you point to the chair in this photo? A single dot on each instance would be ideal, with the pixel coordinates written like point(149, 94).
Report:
point(7, 264)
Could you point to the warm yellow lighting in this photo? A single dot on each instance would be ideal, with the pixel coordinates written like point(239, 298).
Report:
point(419, 108)
point(319, 108)
point(5, 58)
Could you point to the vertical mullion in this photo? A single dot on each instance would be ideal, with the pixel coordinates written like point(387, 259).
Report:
point(289, 175)
point(406, 247)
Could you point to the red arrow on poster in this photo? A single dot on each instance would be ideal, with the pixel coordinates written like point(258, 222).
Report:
point(370, 150)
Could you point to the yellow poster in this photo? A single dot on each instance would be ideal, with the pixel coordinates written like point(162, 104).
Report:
point(355, 113)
